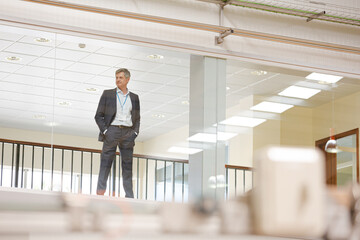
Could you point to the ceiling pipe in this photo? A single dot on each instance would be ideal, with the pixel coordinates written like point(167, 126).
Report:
point(204, 27)
point(293, 12)
point(315, 16)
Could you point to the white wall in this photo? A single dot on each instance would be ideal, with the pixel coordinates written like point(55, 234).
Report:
point(158, 146)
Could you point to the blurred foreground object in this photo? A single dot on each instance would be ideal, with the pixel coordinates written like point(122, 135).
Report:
point(343, 213)
point(288, 198)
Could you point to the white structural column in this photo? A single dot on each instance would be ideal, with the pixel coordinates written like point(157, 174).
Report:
point(207, 108)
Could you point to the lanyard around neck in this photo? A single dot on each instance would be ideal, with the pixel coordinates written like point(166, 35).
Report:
point(122, 104)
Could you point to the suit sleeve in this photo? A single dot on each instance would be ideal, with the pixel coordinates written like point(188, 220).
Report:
point(137, 115)
point(100, 113)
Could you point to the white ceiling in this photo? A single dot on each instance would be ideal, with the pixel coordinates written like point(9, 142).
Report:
point(60, 71)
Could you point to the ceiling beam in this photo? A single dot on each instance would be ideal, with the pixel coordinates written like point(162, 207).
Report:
point(204, 27)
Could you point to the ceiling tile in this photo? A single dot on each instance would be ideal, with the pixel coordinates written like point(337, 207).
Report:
point(87, 68)
point(139, 85)
point(32, 40)
point(5, 35)
point(25, 59)
point(17, 105)
point(117, 52)
point(173, 70)
point(9, 67)
point(77, 96)
point(75, 46)
point(139, 65)
point(24, 96)
point(102, 59)
point(158, 78)
point(172, 90)
point(73, 76)
point(67, 85)
point(110, 72)
point(147, 105)
point(9, 113)
point(25, 79)
point(181, 82)
point(101, 81)
point(30, 49)
point(173, 108)
point(50, 63)
point(157, 97)
point(66, 54)
point(36, 71)
point(3, 75)
point(4, 44)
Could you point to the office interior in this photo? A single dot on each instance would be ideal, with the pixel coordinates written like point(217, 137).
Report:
point(56, 59)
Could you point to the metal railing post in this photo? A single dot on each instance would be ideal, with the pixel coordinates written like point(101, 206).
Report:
point(17, 163)
point(113, 190)
point(2, 162)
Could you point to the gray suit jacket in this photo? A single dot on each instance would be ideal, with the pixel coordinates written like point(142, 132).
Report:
point(106, 111)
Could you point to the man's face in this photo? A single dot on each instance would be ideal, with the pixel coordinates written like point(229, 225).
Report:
point(121, 81)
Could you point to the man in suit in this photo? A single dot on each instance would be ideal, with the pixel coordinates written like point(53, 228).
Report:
point(118, 118)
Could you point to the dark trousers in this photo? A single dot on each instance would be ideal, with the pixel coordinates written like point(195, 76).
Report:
point(124, 139)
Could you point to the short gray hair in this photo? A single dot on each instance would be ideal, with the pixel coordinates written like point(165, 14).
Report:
point(125, 71)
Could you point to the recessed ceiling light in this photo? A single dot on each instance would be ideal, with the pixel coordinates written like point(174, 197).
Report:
point(158, 115)
point(211, 137)
point(185, 102)
point(243, 121)
point(42, 40)
point(82, 45)
point(64, 103)
point(299, 92)
point(184, 150)
point(13, 59)
point(91, 89)
point(259, 72)
point(39, 116)
point(323, 78)
point(272, 107)
point(227, 88)
point(155, 56)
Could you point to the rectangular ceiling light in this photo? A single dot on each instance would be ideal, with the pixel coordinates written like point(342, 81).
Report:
point(324, 77)
point(299, 92)
point(243, 121)
point(224, 136)
point(211, 137)
point(203, 137)
point(184, 150)
point(271, 107)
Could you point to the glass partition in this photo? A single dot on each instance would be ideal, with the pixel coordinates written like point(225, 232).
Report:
point(50, 87)
point(27, 70)
point(284, 107)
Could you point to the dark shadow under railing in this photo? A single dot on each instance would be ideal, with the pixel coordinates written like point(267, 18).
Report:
point(73, 169)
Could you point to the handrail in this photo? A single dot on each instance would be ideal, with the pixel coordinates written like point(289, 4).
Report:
point(88, 150)
point(117, 153)
point(235, 174)
point(239, 167)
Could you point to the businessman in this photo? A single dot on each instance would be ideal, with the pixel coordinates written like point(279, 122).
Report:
point(118, 118)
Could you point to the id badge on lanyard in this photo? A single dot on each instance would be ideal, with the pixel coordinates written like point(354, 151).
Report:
point(122, 114)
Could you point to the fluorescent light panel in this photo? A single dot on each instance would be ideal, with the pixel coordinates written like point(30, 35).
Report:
point(271, 107)
point(299, 92)
point(211, 137)
point(184, 150)
point(324, 77)
point(243, 121)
